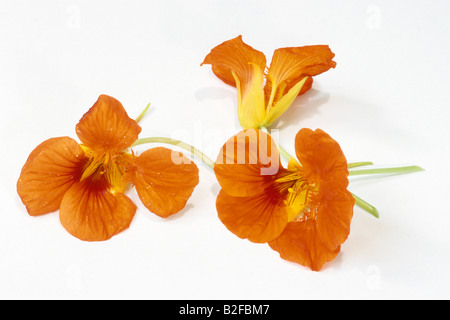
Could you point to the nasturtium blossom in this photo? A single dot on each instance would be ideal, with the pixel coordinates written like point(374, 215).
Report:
point(87, 182)
point(265, 96)
point(303, 211)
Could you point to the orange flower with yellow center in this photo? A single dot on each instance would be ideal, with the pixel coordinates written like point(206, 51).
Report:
point(303, 211)
point(87, 181)
point(263, 97)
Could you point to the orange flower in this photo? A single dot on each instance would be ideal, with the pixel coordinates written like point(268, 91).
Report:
point(262, 98)
point(304, 212)
point(87, 181)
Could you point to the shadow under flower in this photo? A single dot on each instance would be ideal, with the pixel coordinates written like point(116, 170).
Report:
point(303, 107)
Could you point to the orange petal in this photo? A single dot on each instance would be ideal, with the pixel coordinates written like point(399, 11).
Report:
point(234, 56)
point(291, 65)
point(333, 207)
point(164, 180)
point(300, 243)
point(51, 169)
point(321, 156)
point(91, 213)
point(106, 127)
point(259, 218)
point(306, 87)
point(240, 65)
point(325, 165)
point(248, 163)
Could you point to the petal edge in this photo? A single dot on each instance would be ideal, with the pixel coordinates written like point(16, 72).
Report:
point(300, 243)
point(50, 170)
point(164, 180)
point(259, 218)
point(106, 127)
point(91, 213)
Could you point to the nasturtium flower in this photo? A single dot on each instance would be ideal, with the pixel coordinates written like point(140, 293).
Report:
point(87, 182)
point(265, 96)
point(303, 211)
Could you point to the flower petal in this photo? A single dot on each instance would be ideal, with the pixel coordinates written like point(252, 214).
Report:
point(283, 103)
point(308, 85)
point(51, 169)
point(300, 243)
point(291, 65)
point(251, 104)
point(91, 213)
point(325, 165)
point(106, 127)
point(239, 65)
point(248, 163)
point(164, 180)
point(234, 55)
point(333, 207)
point(321, 156)
point(260, 218)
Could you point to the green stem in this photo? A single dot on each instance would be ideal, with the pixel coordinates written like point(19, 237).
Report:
point(179, 144)
point(139, 118)
point(358, 164)
point(366, 206)
point(283, 152)
point(398, 170)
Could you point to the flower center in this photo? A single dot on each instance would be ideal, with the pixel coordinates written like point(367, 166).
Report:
point(299, 200)
point(297, 194)
point(106, 170)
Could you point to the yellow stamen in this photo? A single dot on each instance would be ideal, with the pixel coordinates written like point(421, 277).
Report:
point(111, 167)
point(298, 193)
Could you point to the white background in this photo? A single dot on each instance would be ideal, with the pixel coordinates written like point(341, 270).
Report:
point(387, 102)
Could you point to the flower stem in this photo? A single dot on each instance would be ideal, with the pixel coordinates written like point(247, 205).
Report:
point(139, 118)
point(179, 144)
point(398, 170)
point(358, 164)
point(366, 206)
point(283, 152)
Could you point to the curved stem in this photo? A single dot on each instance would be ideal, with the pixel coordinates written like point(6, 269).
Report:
point(179, 144)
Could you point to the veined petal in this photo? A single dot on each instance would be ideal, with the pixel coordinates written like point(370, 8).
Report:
point(248, 164)
point(234, 55)
point(300, 243)
point(91, 213)
point(333, 207)
point(106, 127)
point(260, 218)
point(290, 65)
point(238, 64)
point(325, 166)
point(321, 157)
point(51, 169)
point(283, 104)
point(251, 104)
point(164, 180)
